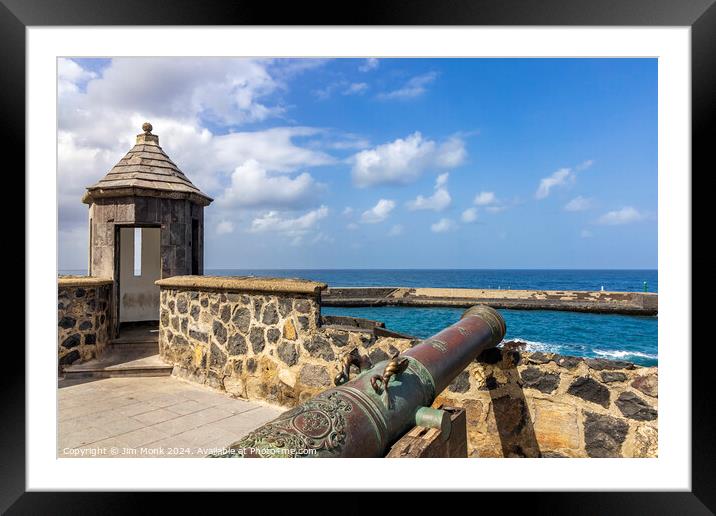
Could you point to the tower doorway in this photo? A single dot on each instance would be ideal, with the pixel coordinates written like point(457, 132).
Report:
point(139, 267)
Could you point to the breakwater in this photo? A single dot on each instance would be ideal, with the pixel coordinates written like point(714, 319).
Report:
point(626, 303)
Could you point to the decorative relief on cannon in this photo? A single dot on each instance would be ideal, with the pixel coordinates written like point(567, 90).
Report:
point(318, 424)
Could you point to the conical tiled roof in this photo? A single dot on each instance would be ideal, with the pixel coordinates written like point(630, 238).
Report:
point(146, 170)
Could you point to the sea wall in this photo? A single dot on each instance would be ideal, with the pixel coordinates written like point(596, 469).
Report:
point(265, 339)
point(630, 303)
point(260, 339)
point(83, 317)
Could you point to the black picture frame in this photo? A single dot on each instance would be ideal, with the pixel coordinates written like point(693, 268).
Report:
point(700, 15)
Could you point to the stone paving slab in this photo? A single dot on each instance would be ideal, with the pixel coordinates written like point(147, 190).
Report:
point(150, 417)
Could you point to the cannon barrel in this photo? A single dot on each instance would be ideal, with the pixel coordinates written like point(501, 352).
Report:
point(364, 416)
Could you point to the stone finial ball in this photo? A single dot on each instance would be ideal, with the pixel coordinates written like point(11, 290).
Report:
point(147, 127)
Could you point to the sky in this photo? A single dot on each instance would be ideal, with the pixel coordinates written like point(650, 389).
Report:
point(381, 163)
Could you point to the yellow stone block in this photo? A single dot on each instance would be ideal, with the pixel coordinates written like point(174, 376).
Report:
point(555, 425)
point(289, 330)
point(198, 352)
point(646, 442)
point(287, 377)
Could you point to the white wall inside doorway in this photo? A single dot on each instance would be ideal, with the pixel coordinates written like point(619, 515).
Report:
point(138, 295)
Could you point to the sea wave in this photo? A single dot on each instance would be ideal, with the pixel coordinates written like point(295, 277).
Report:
point(624, 354)
point(545, 347)
point(532, 346)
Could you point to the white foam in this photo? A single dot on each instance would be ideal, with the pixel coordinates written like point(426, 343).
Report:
point(624, 354)
point(544, 347)
point(532, 346)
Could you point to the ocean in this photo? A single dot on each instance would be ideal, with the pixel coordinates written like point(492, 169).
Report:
point(622, 337)
point(560, 279)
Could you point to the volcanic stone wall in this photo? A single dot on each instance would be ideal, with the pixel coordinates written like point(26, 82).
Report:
point(255, 338)
point(545, 405)
point(83, 317)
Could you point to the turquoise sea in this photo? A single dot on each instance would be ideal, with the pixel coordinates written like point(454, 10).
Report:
point(622, 337)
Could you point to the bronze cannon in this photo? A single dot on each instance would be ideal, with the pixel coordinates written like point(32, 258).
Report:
point(364, 416)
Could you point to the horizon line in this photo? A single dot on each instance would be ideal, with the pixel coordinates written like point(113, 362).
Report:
point(411, 268)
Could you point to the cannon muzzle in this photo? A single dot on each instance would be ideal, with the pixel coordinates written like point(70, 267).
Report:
point(364, 416)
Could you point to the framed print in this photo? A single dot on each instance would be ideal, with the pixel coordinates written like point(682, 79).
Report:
point(424, 233)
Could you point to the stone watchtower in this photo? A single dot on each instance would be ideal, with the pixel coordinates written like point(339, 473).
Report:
point(146, 222)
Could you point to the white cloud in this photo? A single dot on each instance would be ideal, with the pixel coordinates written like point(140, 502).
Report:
point(274, 149)
point(625, 215)
point(485, 199)
point(585, 233)
point(347, 211)
point(286, 68)
point(402, 161)
point(70, 75)
point(99, 116)
point(443, 226)
point(343, 87)
point(78, 166)
point(208, 161)
point(228, 90)
point(352, 226)
point(584, 165)
point(451, 153)
point(439, 201)
point(251, 187)
point(356, 88)
point(441, 180)
point(224, 227)
point(327, 91)
point(469, 215)
point(273, 222)
point(579, 203)
point(560, 177)
point(415, 87)
point(379, 212)
point(490, 202)
point(369, 64)
point(113, 106)
point(396, 230)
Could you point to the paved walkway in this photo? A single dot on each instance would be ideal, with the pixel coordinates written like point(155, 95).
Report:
point(150, 417)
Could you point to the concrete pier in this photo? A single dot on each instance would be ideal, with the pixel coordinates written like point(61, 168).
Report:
point(628, 303)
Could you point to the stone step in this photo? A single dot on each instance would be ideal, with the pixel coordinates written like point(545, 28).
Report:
point(121, 363)
point(136, 339)
point(146, 346)
point(139, 340)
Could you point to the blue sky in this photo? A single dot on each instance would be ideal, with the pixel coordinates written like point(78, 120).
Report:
point(392, 163)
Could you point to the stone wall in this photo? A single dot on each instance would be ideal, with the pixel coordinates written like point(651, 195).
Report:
point(265, 340)
point(83, 317)
point(259, 339)
point(544, 405)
